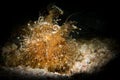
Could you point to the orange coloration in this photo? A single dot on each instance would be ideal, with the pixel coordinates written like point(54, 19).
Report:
point(45, 46)
point(51, 51)
point(48, 46)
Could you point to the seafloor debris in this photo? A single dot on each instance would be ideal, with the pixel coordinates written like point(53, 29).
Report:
point(46, 46)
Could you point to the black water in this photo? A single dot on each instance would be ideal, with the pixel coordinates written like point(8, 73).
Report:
point(95, 19)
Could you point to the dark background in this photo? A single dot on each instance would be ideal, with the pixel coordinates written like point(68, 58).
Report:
point(99, 18)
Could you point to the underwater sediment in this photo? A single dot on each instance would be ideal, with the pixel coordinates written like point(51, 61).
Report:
point(45, 46)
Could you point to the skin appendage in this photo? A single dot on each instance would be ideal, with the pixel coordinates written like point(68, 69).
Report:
point(46, 47)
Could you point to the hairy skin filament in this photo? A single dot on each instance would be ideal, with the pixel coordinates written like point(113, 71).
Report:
point(46, 45)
